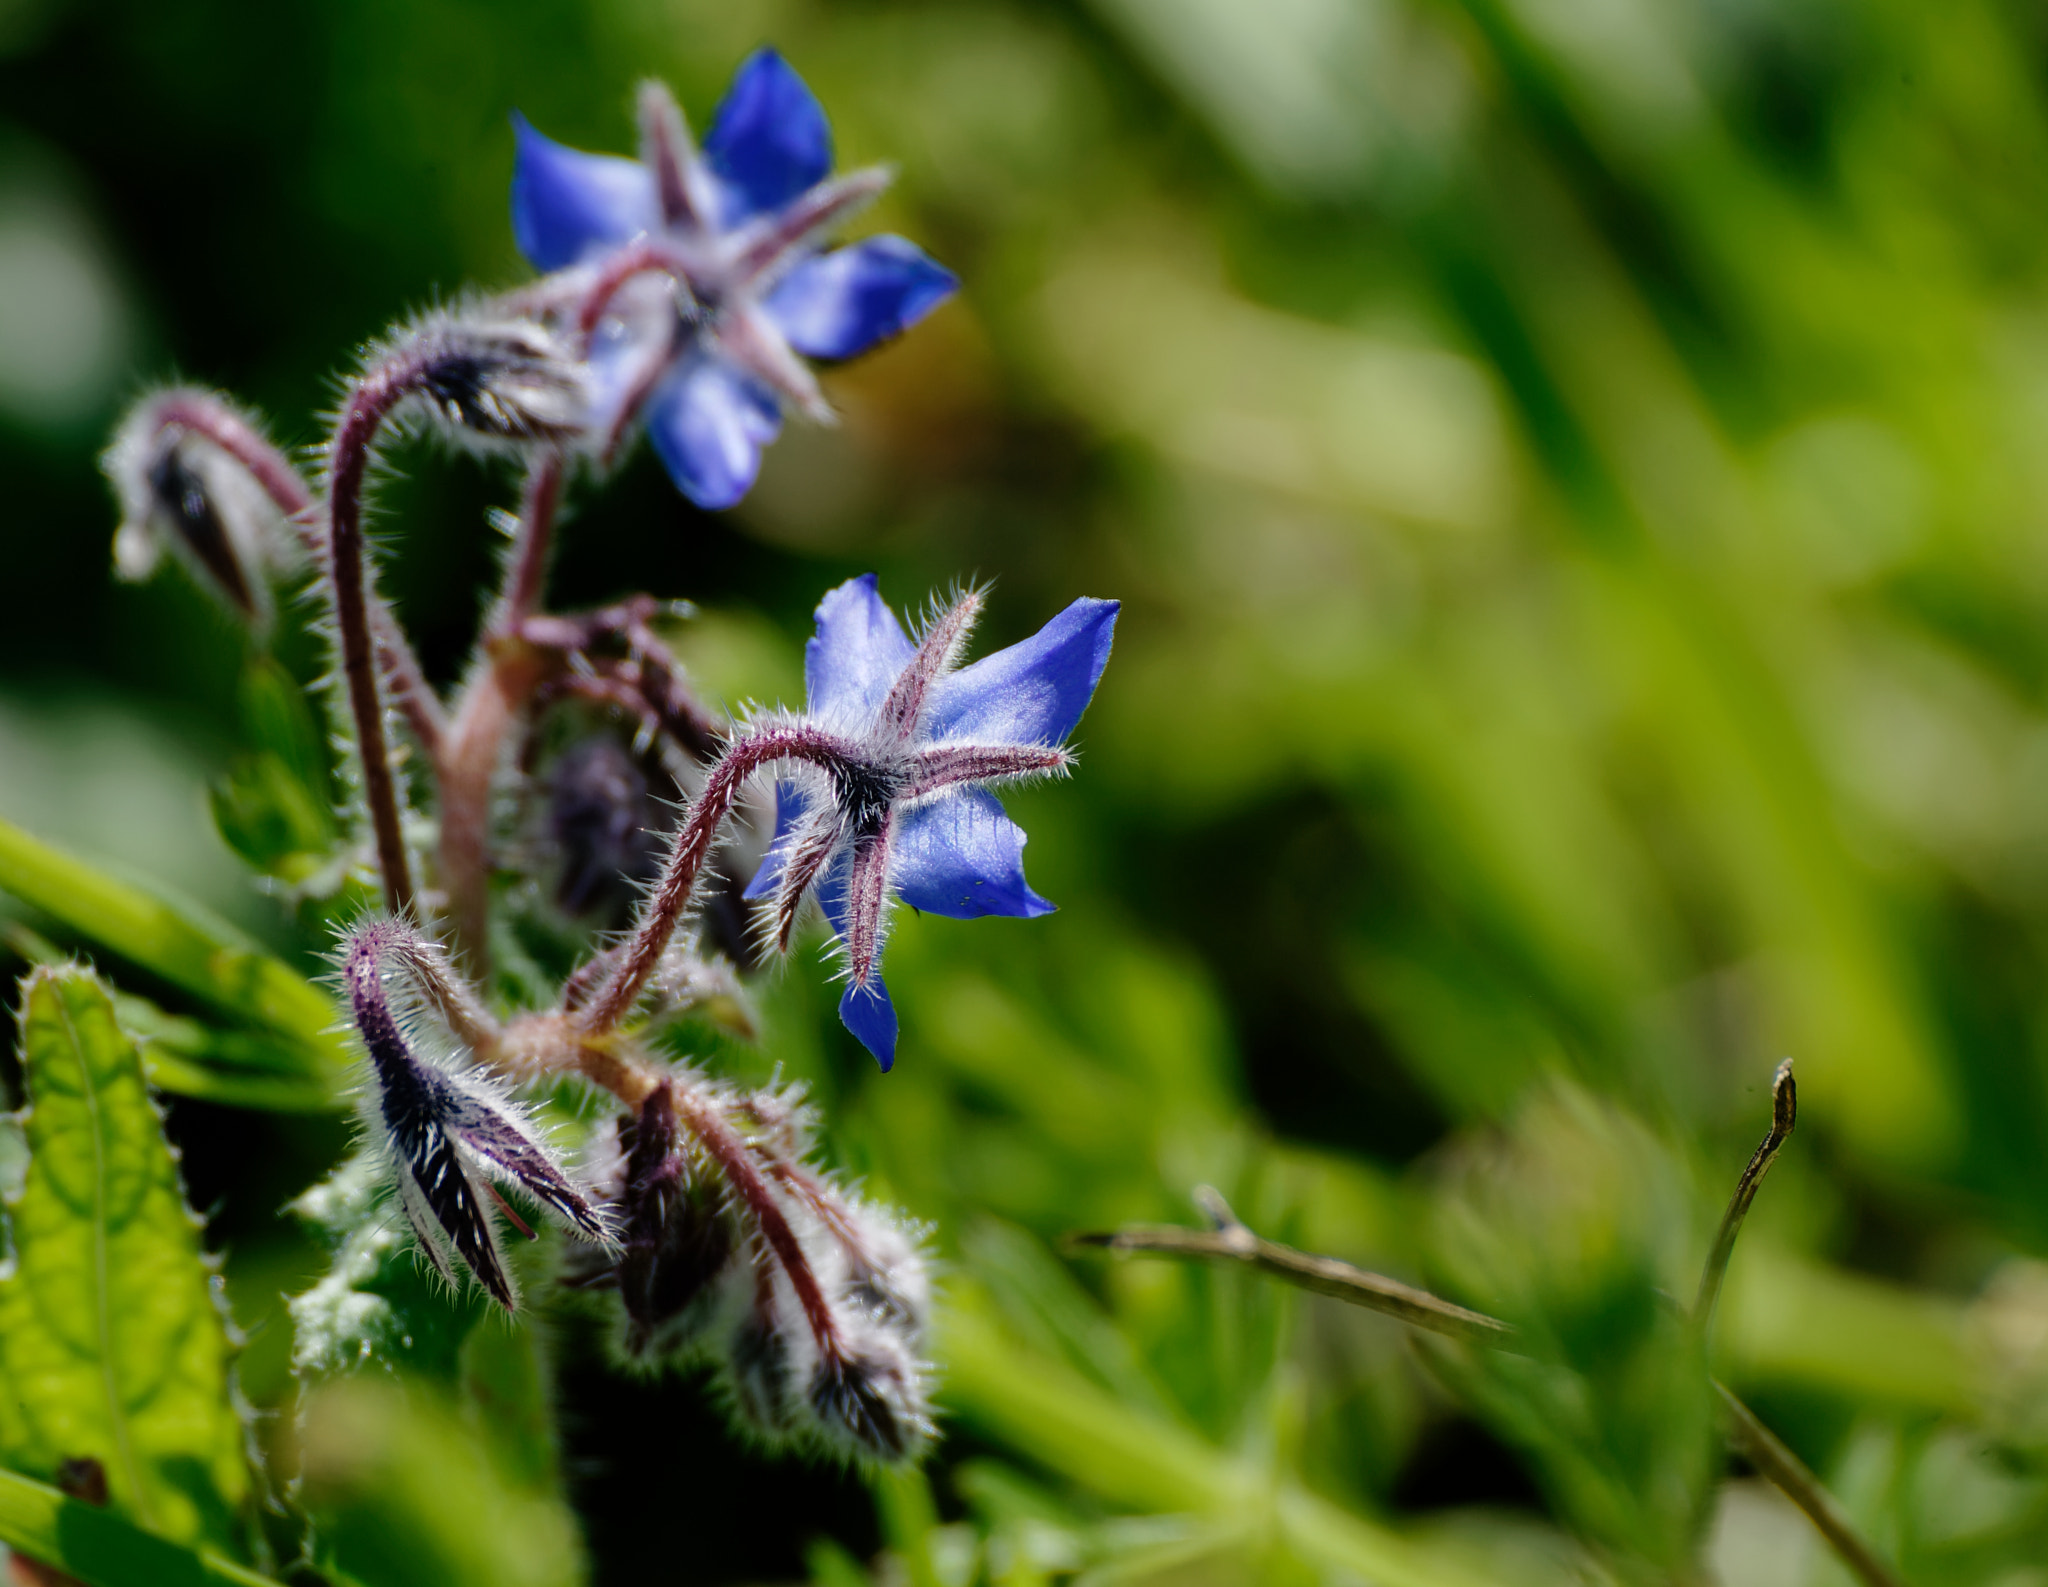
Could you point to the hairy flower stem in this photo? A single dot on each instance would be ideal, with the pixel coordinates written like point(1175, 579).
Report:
point(549, 1043)
point(526, 574)
point(468, 765)
point(468, 762)
point(288, 491)
point(672, 897)
point(644, 257)
point(736, 1165)
point(370, 402)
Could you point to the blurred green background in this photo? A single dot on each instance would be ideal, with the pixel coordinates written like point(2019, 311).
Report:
point(1577, 474)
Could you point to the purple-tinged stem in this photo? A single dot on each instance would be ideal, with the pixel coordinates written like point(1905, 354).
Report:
point(866, 881)
point(673, 895)
point(640, 258)
point(936, 653)
point(949, 764)
point(645, 682)
point(648, 376)
point(783, 234)
point(666, 152)
point(370, 402)
point(736, 1164)
point(527, 573)
point(234, 435)
point(468, 761)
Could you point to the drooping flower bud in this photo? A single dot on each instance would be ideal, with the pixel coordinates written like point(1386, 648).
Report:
point(491, 380)
point(447, 1134)
point(181, 491)
point(678, 1244)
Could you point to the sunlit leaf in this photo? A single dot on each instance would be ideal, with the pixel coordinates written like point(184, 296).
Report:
point(112, 1338)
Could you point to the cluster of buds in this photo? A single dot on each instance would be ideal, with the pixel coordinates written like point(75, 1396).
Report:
point(809, 1304)
point(699, 1211)
point(683, 294)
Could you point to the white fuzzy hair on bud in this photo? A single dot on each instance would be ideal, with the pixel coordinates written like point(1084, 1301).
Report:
point(180, 491)
point(447, 1135)
point(809, 1304)
point(487, 379)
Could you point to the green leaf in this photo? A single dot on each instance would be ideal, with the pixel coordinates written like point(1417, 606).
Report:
point(112, 1340)
point(267, 816)
point(102, 1549)
point(507, 1393)
point(280, 723)
point(188, 947)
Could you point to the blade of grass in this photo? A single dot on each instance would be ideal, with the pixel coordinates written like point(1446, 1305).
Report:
point(184, 945)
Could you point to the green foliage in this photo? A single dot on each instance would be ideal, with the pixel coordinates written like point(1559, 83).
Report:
point(1245, 1504)
point(408, 1494)
point(113, 1341)
point(241, 1068)
point(1572, 1226)
point(427, 1417)
point(1575, 476)
point(283, 1026)
point(274, 807)
point(102, 1549)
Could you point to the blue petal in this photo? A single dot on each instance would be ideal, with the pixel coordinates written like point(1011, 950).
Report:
point(708, 423)
point(961, 857)
point(838, 304)
point(868, 1013)
point(566, 204)
point(792, 804)
point(769, 141)
point(1033, 692)
point(858, 652)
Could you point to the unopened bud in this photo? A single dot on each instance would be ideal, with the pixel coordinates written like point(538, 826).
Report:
point(678, 1241)
point(179, 490)
point(497, 380)
point(601, 820)
point(874, 1401)
point(446, 1135)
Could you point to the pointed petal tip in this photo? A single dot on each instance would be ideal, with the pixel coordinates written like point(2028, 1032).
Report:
point(566, 202)
point(769, 140)
point(1035, 691)
point(708, 425)
point(840, 304)
point(871, 1016)
point(857, 650)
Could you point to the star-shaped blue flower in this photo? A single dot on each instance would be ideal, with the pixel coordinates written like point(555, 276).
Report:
point(893, 797)
point(736, 227)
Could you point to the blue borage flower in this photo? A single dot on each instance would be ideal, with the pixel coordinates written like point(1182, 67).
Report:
point(736, 226)
point(900, 804)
